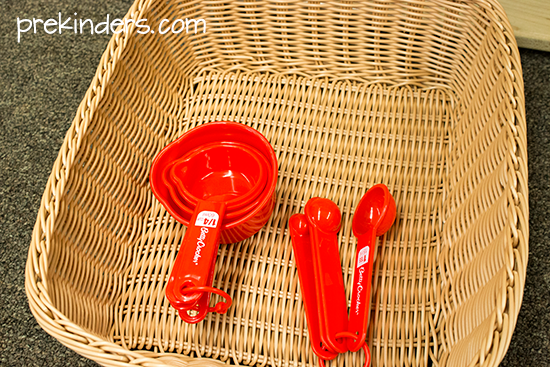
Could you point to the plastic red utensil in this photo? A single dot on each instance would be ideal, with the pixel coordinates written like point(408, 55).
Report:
point(238, 206)
point(219, 172)
point(303, 255)
point(215, 165)
point(165, 190)
point(197, 254)
point(196, 175)
point(373, 217)
point(324, 223)
point(367, 357)
point(201, 308)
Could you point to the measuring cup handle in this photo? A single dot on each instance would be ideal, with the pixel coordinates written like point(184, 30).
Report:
point(197, 255)
point(360, 296)
point(201, 307)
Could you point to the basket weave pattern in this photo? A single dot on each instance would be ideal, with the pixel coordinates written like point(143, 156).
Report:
point(424, 96)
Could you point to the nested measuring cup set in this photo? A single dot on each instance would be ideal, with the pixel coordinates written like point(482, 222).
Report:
point(219, 179)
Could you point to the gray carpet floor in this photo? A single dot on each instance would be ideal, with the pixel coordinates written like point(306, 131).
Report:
point(43, 79)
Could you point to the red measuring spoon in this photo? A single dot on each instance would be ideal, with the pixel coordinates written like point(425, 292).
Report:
point(324, 223)
point(303, 255)
point(373, 217)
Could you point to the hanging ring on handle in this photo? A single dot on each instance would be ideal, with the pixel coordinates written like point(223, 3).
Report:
point(347, 334)
point(221, 307)
point(365, 349)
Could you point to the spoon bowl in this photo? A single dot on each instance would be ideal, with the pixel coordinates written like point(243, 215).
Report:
point(376, 209)
point(324, 214)
point(298, 225)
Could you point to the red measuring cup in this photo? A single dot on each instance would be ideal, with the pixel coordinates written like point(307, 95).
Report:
point(373, 217)
point(224, 152)
point(237, 207)
point(236, 229)
point(205, 162)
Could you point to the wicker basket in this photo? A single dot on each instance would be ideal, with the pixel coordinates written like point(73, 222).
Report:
point(424, 96)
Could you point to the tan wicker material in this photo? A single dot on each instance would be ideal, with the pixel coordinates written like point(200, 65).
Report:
point(424, 96)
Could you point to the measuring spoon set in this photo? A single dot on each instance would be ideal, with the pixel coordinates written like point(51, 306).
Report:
point(314, 238)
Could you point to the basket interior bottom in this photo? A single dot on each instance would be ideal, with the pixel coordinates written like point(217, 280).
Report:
point(333, 139)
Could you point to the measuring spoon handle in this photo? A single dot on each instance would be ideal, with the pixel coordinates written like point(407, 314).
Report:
point(360, 296)
point(301, 246)
point(330, 291)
